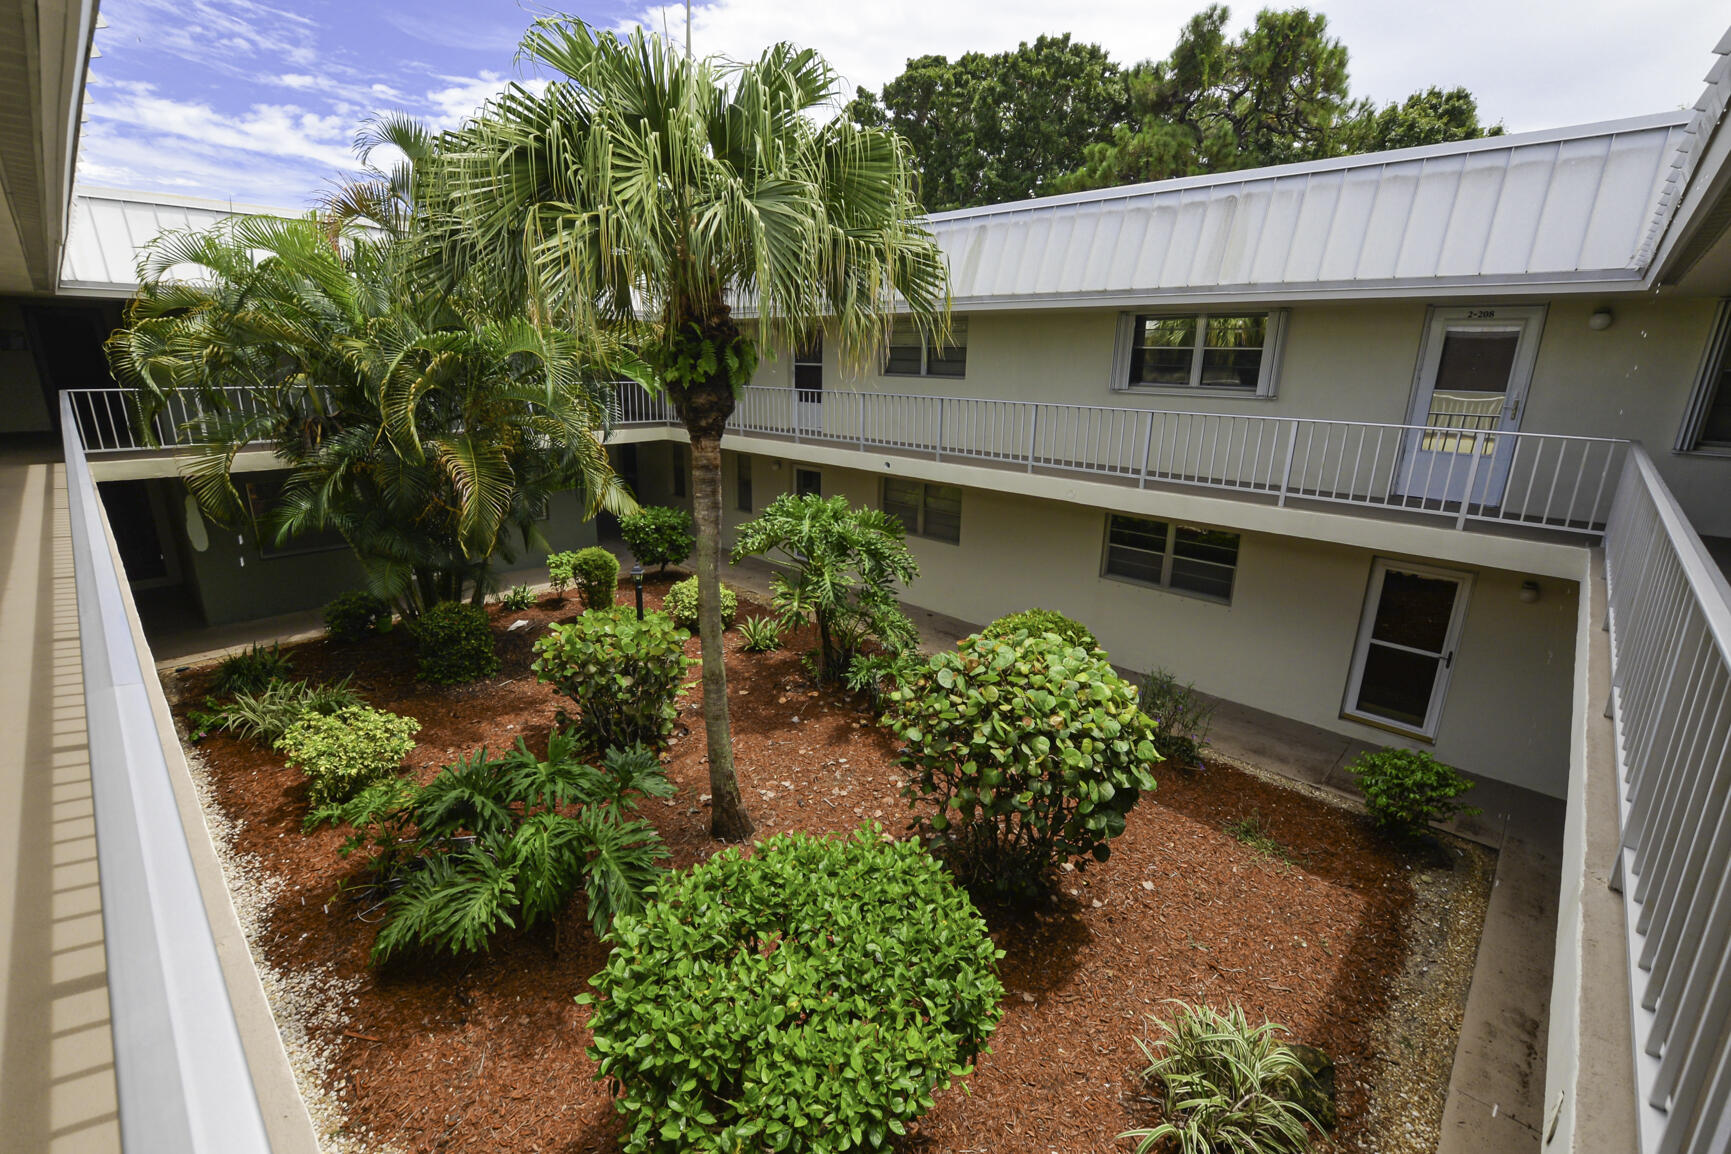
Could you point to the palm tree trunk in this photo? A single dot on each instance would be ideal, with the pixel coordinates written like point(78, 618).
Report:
point(728, 819)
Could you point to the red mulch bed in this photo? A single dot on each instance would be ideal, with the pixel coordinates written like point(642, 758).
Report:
point(487, 1052)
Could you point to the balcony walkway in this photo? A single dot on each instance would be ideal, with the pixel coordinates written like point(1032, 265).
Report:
point(57, 1089)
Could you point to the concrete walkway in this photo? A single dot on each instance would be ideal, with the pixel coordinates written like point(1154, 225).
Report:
point(56, 1052)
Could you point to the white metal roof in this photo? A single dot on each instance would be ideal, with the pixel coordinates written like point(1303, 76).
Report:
point(1691, 149)
point(1545, 208)
point(109, 230)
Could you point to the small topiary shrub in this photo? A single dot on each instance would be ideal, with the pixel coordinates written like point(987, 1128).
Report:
point(249, 672)
point(1181, 715)
point(759, 635)
point(1224, 1086)
point(681, 604)
point(265, 716)
point(518, 598)
point(596, 572)
point(623, 674)
point(455, 644)
point(355, 616)
point(1405, 790)
point(1038, 621)
point(1023, 752)
point(658, 535)
point(559, 574)
point(844, 983)
point(344, 752)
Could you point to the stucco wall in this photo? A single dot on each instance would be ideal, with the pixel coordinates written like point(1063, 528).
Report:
point(1284, 644)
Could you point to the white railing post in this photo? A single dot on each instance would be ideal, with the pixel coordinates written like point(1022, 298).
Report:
point(1472, 473)
point(1147, 443)
point(1291, 449)
point(938, 449)
point(1033, 428)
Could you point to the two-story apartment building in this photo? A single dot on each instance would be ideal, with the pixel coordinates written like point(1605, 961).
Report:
point(1377, 445)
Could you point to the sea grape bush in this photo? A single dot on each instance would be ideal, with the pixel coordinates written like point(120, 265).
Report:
point(344, 752)
point(1023, 752)
point(845, 983)
point(505, 842)
point(1038, 621)
point(455, 644)
point(681, 604)
point(623, 674)
point(1224, 1085)
point(1405, 790)
point(658, 535)
point(355, 616)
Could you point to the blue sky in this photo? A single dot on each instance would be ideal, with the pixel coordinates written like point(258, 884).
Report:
point(258, 102)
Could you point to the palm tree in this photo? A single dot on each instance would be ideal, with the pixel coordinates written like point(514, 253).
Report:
point(651, 195)
point(424, 430)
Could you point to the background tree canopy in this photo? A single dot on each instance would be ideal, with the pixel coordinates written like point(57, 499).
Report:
point(1060, 116)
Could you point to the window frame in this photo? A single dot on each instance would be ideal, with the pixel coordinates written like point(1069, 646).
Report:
point(1268, 372)
point(1168, 555)
point(797, 472)
point(259, 493)
point(921, 529)
point(1709, 390)
point(742, 483)
point(959, 328)
point(1379, 570)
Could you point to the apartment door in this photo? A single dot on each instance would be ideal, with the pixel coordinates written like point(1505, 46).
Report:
point(808, 386)
point(1474, 367)
point(1406, 646)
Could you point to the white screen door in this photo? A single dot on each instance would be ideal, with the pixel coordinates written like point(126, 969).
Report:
point(1406, 646)
point(808, 386)
point(1474, 368)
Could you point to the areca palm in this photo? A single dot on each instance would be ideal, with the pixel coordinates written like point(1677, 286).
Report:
point(651, 195)
point(424, 430)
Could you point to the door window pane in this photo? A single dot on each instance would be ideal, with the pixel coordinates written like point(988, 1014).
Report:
point(1164, 350)
point(1472, 386)
point(943, 513)
point(1136, 548)
point(1414, 611)
point(1397, 685)
point(1232, 351)
point(808, 369)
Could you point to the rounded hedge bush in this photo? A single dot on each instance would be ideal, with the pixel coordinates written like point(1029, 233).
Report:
point(344, 752)
point(355, 616)
point(1038, 621)
point(658, 535)
point(623, 674)
point(1023, 752)
point(813, 997)
point(455, 644)
point(594, 570)
point(681, 604)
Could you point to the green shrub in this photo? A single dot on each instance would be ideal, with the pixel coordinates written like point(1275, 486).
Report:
point(681, 604)
point(559, 574)
point(1038, 621)
point(623, 674)
point(355, 616)
point(1024, 752)
point(250, 672)
point(759, 635)
point(493, 842)
point(1225, 1087)
point(658, 535)
point(518, 598)
point(455, 644)
point(344, 752)
point(1405, 790)
point(596, 572)
point(265, 716)
point(844, 983)
point(880, 674)
point(1181, 715)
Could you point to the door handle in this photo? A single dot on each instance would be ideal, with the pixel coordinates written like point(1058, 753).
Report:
point(1449, 659)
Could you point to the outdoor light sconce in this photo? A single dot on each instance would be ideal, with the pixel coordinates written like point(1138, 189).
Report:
point(1529, 591)
point(1600, 320)
point(637, 582)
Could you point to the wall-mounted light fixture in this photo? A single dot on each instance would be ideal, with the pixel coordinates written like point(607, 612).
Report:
point(1600, 320)
point(1529, 591)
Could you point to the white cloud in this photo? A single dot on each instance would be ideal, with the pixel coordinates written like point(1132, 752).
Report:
point(1531, 63)
point(463, 96)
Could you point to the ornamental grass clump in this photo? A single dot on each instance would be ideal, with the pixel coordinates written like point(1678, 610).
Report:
point(623, 674)
point(266, 715)
point(1225, 1087)
point(250, 671)
point(813, 997)
point(1023, 753)
point(681, 604)
point(344, 752)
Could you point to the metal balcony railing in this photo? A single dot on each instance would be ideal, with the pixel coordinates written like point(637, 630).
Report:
point(1670, 634)
point(1464, 474)
point(180, 1068)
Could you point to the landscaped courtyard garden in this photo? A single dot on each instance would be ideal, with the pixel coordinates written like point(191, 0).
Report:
point(1225, 889)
